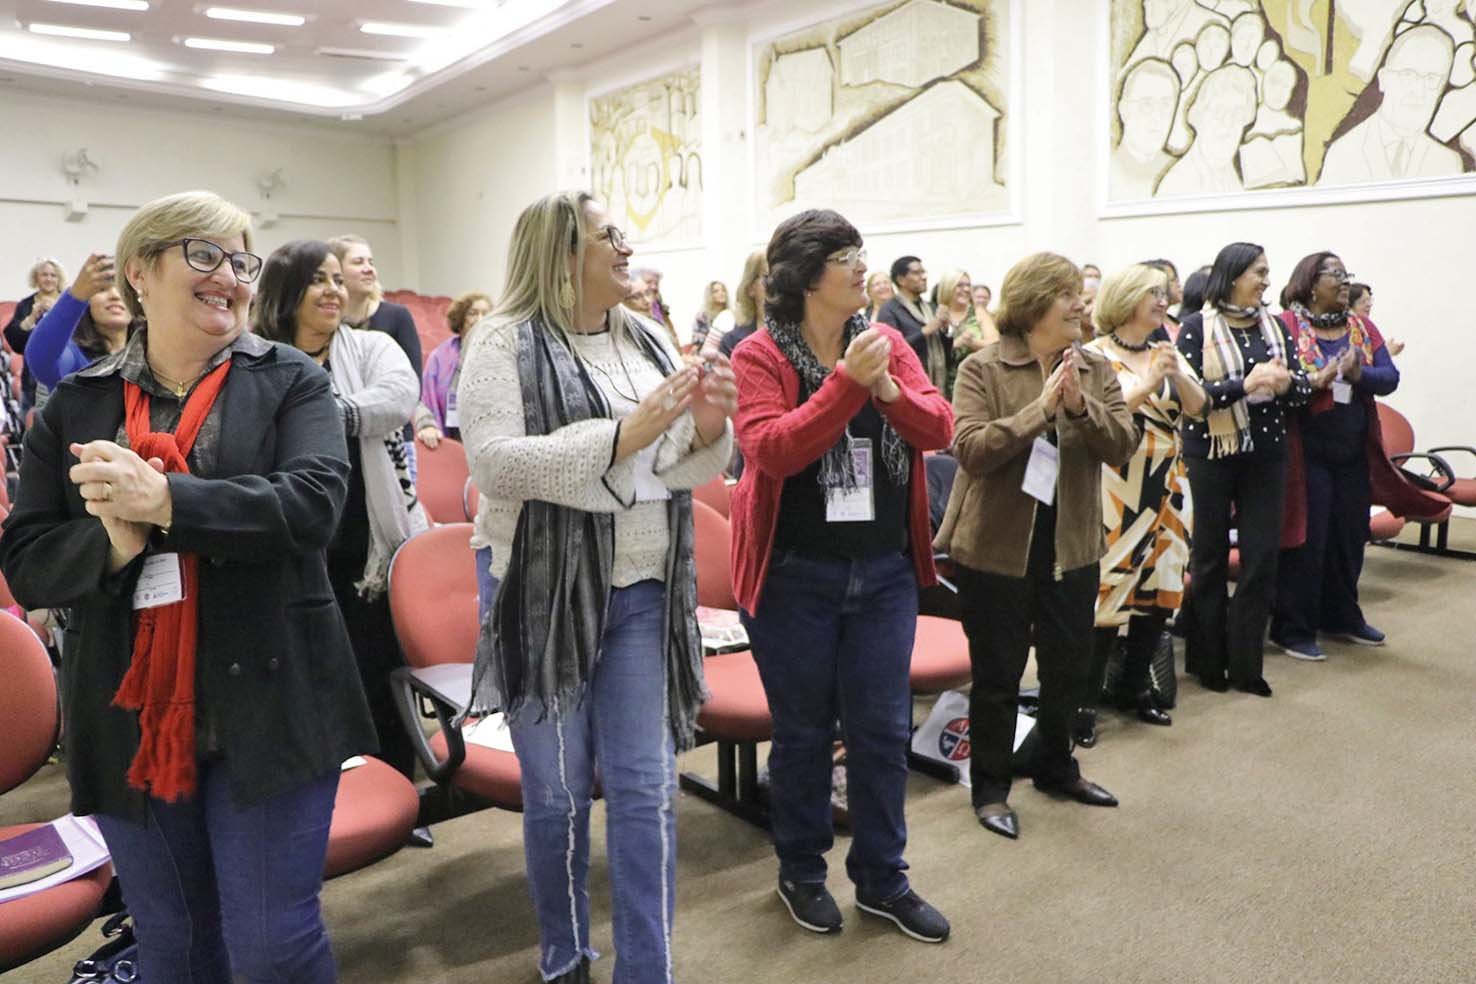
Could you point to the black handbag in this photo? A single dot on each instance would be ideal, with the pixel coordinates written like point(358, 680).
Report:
point(1163, 680)
point(116, 961)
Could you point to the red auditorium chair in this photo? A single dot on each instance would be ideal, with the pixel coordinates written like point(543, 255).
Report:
point(39, 923)
point(470, 500)
point(440, 480)
point(1399, 442)
point(429, 315)
point(736, 716)
point(1383, 525)
point(373, 814)
point(433, 600)
point(717, 494)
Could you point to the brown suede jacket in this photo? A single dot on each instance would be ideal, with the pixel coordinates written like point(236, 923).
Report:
point(997, 417)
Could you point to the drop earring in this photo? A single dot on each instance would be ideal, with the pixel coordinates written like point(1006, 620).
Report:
point(566, 294)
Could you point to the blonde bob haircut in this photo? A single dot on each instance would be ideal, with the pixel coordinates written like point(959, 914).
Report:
point(1030, 288)
point(339, 247)
point(1121, 293)
point(755, 268)
point(948, 283)
point(544, 257)
point(164, 221)
point(34, 276)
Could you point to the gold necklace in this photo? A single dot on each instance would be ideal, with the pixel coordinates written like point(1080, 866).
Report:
point(180, 388)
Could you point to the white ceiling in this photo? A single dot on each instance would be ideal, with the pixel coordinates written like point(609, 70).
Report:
point(475, 51)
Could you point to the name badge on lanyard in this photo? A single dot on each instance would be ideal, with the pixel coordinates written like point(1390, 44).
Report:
point(1041, 471)
point(452, 418)
point(1342, 391)
point(857, 505)
point(161, 582)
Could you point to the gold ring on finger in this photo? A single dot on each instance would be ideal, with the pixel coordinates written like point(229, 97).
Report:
point(107, 490)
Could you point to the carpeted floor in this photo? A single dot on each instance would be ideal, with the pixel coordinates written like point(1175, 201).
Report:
point(1325, 835)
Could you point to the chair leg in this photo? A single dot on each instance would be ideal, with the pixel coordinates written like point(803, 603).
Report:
point(737, 789)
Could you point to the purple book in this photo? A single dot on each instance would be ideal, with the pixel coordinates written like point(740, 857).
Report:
point(32, 856)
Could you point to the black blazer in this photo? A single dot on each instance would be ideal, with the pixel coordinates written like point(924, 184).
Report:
point(276, 673)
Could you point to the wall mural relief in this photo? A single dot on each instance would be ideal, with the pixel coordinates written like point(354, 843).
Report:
point(892, 114)
point(646, 157)
point(1217, 96)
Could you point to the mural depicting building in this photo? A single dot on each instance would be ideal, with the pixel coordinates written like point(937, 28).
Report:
point(893, 114)
point(646, 157)
point(919, 41)
point(1338, 93)
point(865, 174)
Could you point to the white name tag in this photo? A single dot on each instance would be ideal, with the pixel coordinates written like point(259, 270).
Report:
point(856, 505)
point(453, 419)
point(160, 583)
point(1342, 391)
point(1041, 471)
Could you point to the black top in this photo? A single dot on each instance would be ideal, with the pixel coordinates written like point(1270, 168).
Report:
point(802, 524)
point(395, 321)
point(735, 335)
point(1040, 564)
point(1267, 420)
point(18, 337)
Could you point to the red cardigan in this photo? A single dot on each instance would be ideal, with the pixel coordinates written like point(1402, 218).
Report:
point(780, 437)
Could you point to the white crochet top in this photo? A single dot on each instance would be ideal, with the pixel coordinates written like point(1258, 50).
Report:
point(571, 467)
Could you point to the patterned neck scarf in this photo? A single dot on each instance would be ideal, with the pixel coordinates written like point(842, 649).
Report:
point(837, 466)
point(1229, 427)
point(1310, 354)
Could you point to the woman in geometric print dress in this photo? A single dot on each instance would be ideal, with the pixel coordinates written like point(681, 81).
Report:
point(1146, 524)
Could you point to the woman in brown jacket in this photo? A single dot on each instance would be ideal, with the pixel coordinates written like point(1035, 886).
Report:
point(1036, 418)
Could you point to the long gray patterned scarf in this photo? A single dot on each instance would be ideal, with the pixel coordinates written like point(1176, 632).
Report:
point(837, 467)
point(541, 640)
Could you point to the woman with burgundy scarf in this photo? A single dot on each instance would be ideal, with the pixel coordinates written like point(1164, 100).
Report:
point(1337, 463)
point(178, 496)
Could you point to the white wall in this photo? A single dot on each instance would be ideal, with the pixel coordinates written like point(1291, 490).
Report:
point(476, 173)
point(335, 181)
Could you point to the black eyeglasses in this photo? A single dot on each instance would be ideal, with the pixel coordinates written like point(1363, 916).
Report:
point(205, 256)
point(614, 236)
point(1341, 276)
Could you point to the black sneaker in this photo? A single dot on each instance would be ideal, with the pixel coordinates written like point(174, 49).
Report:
point(911, 914)
point(811, 905)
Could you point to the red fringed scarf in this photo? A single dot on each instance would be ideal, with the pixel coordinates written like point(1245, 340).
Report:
point(160, 683)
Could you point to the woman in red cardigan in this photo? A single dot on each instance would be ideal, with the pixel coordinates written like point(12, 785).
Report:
point(830, 543)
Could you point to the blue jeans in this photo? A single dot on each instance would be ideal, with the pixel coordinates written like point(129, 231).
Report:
point(833, 640)
point(486, 584)
point(621, 727)
point(218, 890)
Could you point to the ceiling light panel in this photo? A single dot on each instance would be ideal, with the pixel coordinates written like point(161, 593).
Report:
point(388, 29)
point(237, 47)
point(84, 33)
point(255, 16)
point(137, 6)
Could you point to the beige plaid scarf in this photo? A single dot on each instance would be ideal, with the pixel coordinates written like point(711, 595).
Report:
point(1229, 427)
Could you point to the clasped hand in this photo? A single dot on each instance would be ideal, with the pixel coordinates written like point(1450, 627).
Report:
point(1271, 378)
point(129, 495)
point(867, 360)
point(1063, 387)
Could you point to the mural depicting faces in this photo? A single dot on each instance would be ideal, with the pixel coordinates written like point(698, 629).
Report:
point(1414, 76)
point(1150, 96)
point(1223, 108)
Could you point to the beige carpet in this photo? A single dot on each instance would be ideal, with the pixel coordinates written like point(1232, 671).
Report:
point(1325, 835)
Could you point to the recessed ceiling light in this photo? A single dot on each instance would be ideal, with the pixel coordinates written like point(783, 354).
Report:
point(255, 16)
point(400, 30)
point(135, 5)
point(98, 61)
point(85, 33)
point(239, 47)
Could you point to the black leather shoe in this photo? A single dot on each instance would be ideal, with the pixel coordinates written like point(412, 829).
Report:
point(1084, 728)
point(1258, 686)
point(1000, 819)
point(1145, 707)
point(1214, 681)
point(1083, 791)
point(579, 975)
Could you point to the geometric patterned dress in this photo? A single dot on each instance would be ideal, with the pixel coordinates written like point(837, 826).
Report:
point(1143, 511)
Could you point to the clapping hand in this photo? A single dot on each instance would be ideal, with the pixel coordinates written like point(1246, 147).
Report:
point(716, 396)
point(1162, 364)
point(1071, 394)
point(654, 414)
point(867, 357)
point(1350, 366)
point(129, 495)
point(95, 276)
point(1394, 346)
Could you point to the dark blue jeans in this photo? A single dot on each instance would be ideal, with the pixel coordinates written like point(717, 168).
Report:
point(223, 893)
point(833, 640)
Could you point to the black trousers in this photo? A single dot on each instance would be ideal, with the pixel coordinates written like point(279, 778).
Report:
point(1002, 616)
point(1226, 634)
point(1317, 583)
point(371, 632)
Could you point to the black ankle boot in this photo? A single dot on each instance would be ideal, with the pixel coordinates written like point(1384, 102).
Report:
point(1084, 727)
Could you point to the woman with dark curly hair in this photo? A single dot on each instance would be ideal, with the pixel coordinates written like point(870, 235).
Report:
point(437, 416)
point(830, 544)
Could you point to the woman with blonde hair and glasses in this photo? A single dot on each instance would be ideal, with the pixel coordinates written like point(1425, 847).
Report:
point(743, 318)
point(47, 280)
point(206, 718)
point(1143, 511)
point(585, 434)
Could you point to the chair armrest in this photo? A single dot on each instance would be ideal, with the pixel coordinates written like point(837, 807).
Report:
point(409, 689)
point(1437, 463)
point(1462, 448)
